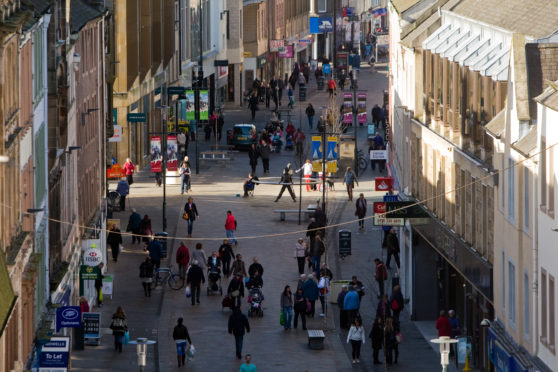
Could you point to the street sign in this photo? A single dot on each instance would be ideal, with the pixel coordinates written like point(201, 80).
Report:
point(378, 155)
point(54, 355)
point(276, 45)
point(137, 117)
point(92, 256)
point(177, 90)
point(405, 209)
point(221, 62)
point(68, 317)
point(383, 221)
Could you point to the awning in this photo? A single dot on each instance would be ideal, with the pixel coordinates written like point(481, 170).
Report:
point(497, 125)
point(527, 145)
point(7, 297)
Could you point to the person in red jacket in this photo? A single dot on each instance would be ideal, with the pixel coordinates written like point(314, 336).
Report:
point(443, 325)
point(129, 168)
point(182, 259)
point(331, 86)
point(230, 227)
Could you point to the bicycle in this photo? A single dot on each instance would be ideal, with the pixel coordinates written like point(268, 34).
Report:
point(174, 280)
point(362, 162)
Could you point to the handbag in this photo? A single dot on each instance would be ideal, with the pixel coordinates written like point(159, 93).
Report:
point(308, 306)
point(188, 291)
point(235, 293)
point(120, 248)
point(185, 216)
point(282, 318)
point(399, 337)
point(126, 338)
point(394, 305)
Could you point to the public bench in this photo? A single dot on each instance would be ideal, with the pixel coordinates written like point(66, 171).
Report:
point(316, 339)
point(215, 156)
point(283, 212)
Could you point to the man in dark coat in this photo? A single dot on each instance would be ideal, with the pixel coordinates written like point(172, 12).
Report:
point(392, 243)
point(255, 266)
point(155, 252)
point(287, 181)
point(360, 212)
point(377, 336)
point(194, 279)
point(114, 239)
point(238, 323)
point(134, 226)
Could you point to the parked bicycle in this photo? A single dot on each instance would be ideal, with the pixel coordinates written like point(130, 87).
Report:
point(362, 162)
point(165, 274)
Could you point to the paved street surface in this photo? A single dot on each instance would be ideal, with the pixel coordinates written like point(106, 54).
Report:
point(215, 191)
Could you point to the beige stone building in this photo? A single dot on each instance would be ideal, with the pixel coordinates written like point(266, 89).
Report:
point(255, 37)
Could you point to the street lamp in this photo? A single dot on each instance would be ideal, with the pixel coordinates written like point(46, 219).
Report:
point(445, 343)
point(87, 113)
point(141, 350)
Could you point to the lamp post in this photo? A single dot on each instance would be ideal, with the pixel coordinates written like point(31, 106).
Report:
point(445, 344)
point(141, 350)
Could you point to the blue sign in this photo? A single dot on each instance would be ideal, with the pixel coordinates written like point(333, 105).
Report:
point(314, 25)
point(325, 24)
point(316, 147)
point(326, 68)
point(389, 198)
point(54, 354)
point(68, 317)
point(332, 148)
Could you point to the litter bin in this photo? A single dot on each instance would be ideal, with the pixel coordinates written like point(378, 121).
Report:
point(335, 288)
point(344, 243)
point(321, 83)
point(302, 93)
point(162, 238)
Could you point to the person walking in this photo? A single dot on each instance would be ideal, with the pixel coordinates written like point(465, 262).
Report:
point(190, 211)
point(134, 222)
point(123, 189)
point(181, 338)
point(299, 138)
point(349, 179)
point(286, 181)
point(323, 286)
point(194, 279)
point(360, 212)
point(307, 173)
point(230, 228)
point(254, 267)
point(377, 336)
point(356, 338)
point(287, 306)
point(280, 88)
point(390, 342)
point(383, 309)
point(265, 152)
point(300, 255)
point(129, 170)
point(392, 244)
point(351, 304)
point(146, 276)
point(99, 285)
point(331, 87)
point(227, 255)
point(290, 95)
point(454, 321)
point(182, 259)
point(114, 240)
point(236, 289)
point(248, 366)
point(253, 154)
point(145, 228)
point(119, 328)
point(397, 302)
point(155, 251)
point(185, 172)
point(220, 125)
point(343, 318)
point(300, 308)
point(199, 255)
point(238, 266)
point(238, 326)
point(311, 292)
point(310, 112)
point(443, 325)
point(380, 275)
point(317, 249)
point(253, 105)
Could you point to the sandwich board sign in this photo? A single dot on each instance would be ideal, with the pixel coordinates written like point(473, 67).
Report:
point(54, 355)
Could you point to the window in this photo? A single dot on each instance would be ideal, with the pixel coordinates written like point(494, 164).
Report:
point(551, 324)
point(37, 65)
point(551, 181)
point(544, 315)
point(511, 190)
point(526, 302)
point(240, 23)
point(526, 192)
point(322, 6)
point(543, 173)
point(503, 282)
point(511, 293)
point(501, 186)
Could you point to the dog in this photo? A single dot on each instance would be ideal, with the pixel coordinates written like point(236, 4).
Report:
point(330, 185)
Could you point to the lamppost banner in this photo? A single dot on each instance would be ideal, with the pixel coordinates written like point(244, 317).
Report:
point(348, 108)
point(156, 154)
point(361, 106)
point(172, 146)
point(190, 105)
point(204, 105)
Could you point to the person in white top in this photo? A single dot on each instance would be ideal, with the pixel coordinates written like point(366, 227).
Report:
point(306, 172)
point(300, 254)
point(356, 337)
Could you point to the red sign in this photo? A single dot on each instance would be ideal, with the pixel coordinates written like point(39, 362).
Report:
point(116, 171)
point(156, 154)
point(379, 208)
point(172, 155)
point(384, 183)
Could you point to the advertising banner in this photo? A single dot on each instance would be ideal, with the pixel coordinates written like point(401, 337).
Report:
point(156, 154)
point(108, 285)
point(361, 108)
point(54, 355)
point(116, 171)
point(91, 325)
point(172, 148)
point(189, 103)
point(68, 317)
point(117, 135)
point(332, 152)
point(288, 52)
point(348, 108)
point(276, 45)
point(316, 147)
point(204, 105)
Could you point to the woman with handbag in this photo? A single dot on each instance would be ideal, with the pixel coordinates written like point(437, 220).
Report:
point(119, 328)
point(190, 214)
point(236, 290)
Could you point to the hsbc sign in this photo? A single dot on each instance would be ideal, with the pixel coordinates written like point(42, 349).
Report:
point(92, 257)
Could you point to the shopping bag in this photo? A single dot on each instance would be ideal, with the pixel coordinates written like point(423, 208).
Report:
point(100, 295)
point(282, 319)
point(191, 352)
point(120, 248)
point(188, 291)
point(126, 338)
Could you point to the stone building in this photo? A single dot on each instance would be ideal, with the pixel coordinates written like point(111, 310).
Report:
point(235, 51)
point(255, 38)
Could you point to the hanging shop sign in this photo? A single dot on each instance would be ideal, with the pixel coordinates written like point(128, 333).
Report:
point(68, 317)
point(116, 171)
point(276, 45)
point(156, 154)
point(287, 53)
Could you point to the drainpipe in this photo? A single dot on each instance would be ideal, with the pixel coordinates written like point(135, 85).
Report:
point(535, 278)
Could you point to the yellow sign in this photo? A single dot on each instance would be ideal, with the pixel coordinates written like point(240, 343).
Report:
point(247, 54)
point(316, 166)
point(331, 166)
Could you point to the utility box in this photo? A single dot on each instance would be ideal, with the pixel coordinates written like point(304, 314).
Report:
point(302, 93)
point(344, 243)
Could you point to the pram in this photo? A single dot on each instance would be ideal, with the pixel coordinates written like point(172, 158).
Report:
point(276, 144)
point(255, 299)
point(214, 281)
point(289, 145)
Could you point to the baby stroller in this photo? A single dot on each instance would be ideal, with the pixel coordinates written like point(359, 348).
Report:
point(276, 144)
point(289, 145)
point(214, 281)
point(255, 299)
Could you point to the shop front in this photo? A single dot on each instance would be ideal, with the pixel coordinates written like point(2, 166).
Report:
point(503, 355)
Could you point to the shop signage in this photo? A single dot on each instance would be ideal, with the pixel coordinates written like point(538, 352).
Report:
point(92, 257)
point(383, 221)
point(221, 62)
point(54, 355)
point(247, 54)
point(320, 25)
point(92, 326)
point(405, 209)
point(116, 171)
point(108, 285)
point(287, 53)
point(276, 45)
point(222, 71)
point(378, 155)
point(89, 272)
point(137, 117)
point(68, 317)
point(175, 90)
point(383, 183)
point(117, 134)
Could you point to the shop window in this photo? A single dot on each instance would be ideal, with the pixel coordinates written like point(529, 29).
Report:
point(321, 6)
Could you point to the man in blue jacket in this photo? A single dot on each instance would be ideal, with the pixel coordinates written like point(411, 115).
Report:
point(155, 252)
point(351, 304)
point(311, 292)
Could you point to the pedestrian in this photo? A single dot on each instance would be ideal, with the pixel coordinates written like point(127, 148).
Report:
point(248, 366)
point(301, 280)
point(134, 226)
point(253, 105)
point(392, 244)
point(238, 324)
point(286, 181)
point(299, 138)
point(310, 112)
point(185, 172)
point(321, 218)
point(326, 271)
point(311, 231)
point(181, 337)
point(301, 80)
point(182, 140)
point(317, 249)
point(349, 179)
point(145, 228)
point(454, 321)
point(390, 342)
point(307, 173)
point(83, 305)
point(129, 170)
point(331, 87)
point(182, 259)
point(323, 286)
point(195, 279)
point(358, 286)
point(99, 285)
point(214, 262)
point(377, 336)
point(227, 255)
point(397, 303)
point(343, 318)
point(356, 337)
point(187, 161)
point(119, 328)
point(380, 275)
point(267, 95)
point(361, 210)
point(114, 240)
point(199, 255)
point(351, 304)
point(290, 94)
point(311, 292)
point(300, 254)
point(123, 189)
point(253, 154)
point(255, 266)
point(342, 78)
point(146, 276)
point(300, 308)
point(287, 306)
point(190, 214)
point(265, 152)
point(376, 112)
point(155, 250)
point(238, 266)
point(280, 87)
point(230, 228)
point(384, 308)
point(236, 289)
point(443, 325)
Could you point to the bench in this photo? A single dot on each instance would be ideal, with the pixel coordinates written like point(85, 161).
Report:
point(316, 339)
point(283, 212)
point(215, 156)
